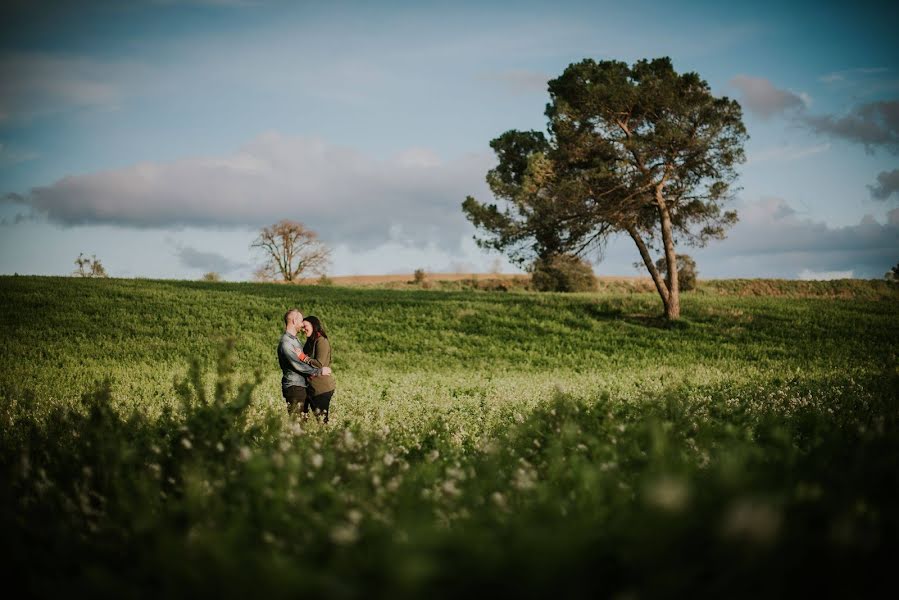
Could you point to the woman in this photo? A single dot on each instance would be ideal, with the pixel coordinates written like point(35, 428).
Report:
point(318, 350)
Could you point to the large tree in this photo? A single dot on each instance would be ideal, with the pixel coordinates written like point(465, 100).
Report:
point(290, 249)
point(542, 216)
point(639, 149)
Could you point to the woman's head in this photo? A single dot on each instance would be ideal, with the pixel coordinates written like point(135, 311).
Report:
point(312, 326)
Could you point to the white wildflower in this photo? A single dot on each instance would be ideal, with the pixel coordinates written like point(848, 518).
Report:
point(752, 520)
point(668, 493)
point(449, 488)
point(344, 534)
point(524, 479)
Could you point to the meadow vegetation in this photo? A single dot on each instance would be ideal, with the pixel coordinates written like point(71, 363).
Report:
point(480, 442)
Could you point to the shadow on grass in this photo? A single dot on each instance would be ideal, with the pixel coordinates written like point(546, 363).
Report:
point(611, 311)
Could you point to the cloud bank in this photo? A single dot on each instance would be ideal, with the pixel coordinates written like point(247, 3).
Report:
point(772, 239)
point(346, 196)
point(193, 258)
point(872, 124)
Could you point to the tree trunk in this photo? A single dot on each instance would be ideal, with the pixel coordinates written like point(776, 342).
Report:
point(647, 260)
point(672, 307)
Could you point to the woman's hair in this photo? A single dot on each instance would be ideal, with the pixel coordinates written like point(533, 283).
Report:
point(317, 331)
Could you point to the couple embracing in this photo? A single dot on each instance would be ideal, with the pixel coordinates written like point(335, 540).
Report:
point(307, 381)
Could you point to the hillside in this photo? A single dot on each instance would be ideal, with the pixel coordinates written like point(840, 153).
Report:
point(840, 288)
point(485, 433)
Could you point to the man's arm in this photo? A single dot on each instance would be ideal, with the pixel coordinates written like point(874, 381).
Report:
point(296, 364)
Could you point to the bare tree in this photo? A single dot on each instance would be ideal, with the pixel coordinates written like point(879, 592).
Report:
point(89, 267)
point(290, 249)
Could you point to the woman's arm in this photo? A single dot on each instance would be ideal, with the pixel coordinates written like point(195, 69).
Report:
point(303, 357)
point(321, 354)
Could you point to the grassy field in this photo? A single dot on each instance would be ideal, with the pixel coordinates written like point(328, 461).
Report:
point(480, 441)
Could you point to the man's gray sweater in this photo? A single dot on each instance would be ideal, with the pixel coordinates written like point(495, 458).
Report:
point(295, 371)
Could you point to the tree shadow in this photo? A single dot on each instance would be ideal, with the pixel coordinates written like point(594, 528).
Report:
point(606, 311)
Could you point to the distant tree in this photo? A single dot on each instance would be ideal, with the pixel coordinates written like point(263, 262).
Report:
point(290, 250)
point(562, 273)
point(89, 267)
point(892, 274)
point(686, 271)
point(419, 276)
point(211, 276)
point(640, 150)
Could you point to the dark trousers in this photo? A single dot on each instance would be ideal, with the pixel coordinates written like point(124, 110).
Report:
point(295, 396)
point(320, 404)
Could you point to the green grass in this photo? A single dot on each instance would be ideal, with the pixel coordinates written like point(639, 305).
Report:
point(564, 444)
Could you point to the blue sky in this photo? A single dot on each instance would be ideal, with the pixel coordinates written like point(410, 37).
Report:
point(160, 135)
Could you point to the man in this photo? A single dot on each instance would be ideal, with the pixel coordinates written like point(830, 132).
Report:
point(290, 350)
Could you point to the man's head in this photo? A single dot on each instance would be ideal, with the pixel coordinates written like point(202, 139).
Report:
point(293, 319)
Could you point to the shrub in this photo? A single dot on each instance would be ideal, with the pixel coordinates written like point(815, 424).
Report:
point(686, 271)
point(211, 276)
point(325, 280)
point(419, 276)
point(89, 267)
point(562, 273)
point(892, 274)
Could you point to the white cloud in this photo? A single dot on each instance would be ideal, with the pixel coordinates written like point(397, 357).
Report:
point(849, 74)
point(398, 256)
point(809, 275)
point(762, 98)
point(786, 153)
point(520, 81)
point(205, 260)
point(12, 156)
point(38, 83)
point(347, 196)
point(893, 217)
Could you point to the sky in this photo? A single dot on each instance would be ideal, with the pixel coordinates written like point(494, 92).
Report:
point(161, 135)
